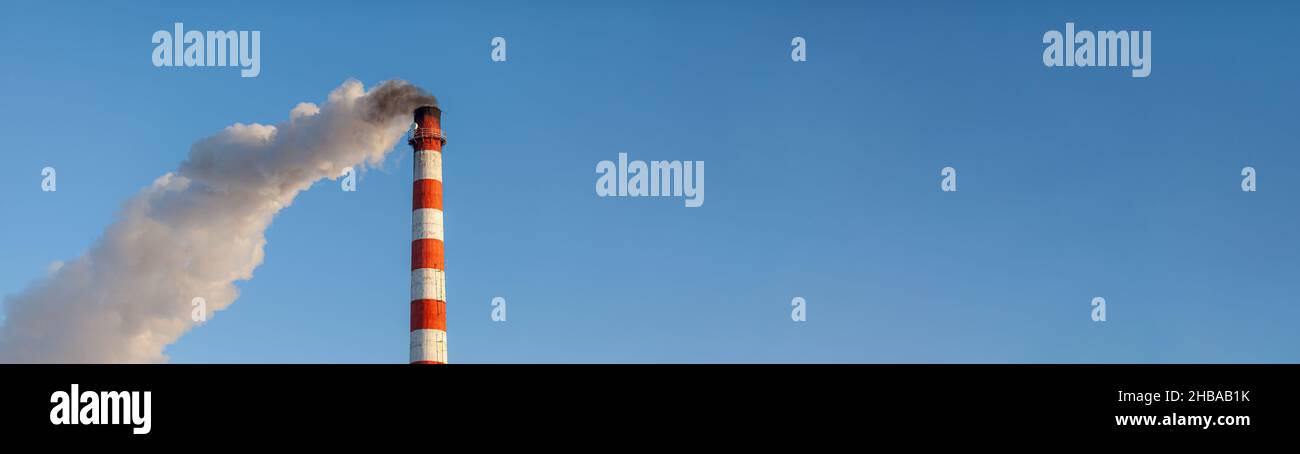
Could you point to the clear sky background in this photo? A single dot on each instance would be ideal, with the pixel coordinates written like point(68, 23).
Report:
point(822, 177)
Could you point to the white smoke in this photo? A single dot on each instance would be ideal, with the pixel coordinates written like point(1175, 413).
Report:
point(196, 231)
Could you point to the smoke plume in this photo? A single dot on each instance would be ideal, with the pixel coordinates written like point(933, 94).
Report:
point(194, 232)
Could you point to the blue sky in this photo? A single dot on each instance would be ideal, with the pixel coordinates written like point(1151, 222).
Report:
point(822, 177)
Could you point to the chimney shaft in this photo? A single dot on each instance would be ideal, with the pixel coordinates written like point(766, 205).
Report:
point(428, 283)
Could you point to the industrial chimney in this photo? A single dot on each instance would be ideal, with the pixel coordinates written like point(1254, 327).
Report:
point(428, 283)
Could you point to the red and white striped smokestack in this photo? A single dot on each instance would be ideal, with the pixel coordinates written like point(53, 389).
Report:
point(428, 283)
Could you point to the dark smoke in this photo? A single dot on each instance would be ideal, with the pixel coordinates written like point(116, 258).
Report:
point(395, 97)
